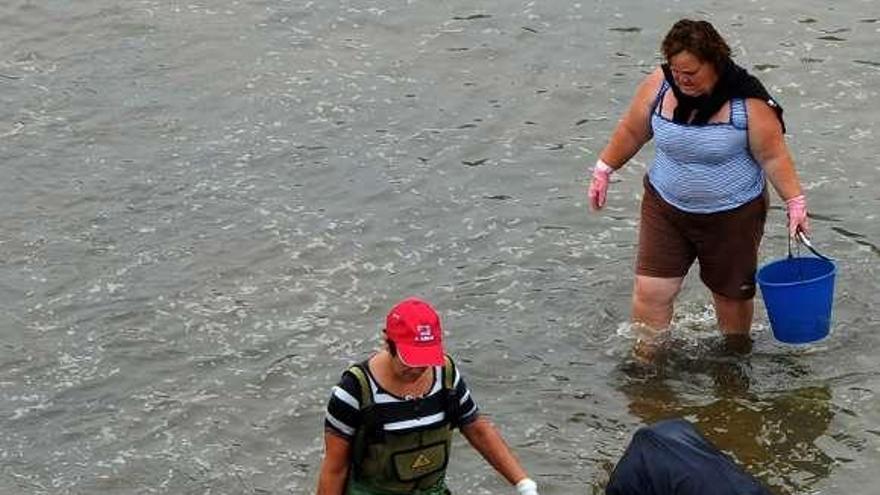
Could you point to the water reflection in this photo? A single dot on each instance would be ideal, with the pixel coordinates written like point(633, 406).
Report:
point(772, 434)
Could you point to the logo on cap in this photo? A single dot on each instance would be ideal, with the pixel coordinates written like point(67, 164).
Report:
point(425, 333)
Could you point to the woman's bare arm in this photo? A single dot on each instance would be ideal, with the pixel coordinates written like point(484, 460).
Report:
point(634, 128)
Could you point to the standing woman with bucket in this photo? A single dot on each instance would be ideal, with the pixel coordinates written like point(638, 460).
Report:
point(718, 135)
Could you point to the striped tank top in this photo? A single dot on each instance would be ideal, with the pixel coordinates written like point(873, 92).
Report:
point(704, 168)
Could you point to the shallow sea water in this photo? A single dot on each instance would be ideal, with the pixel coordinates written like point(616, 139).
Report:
point(208, 207)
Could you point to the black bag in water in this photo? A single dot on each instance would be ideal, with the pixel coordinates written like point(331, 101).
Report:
point(672, 458)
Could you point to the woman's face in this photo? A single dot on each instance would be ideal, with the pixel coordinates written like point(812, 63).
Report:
point(405, 372)
point(693, 76)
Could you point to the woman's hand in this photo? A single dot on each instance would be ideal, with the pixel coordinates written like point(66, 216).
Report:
point(797, 216)
point(598, 191)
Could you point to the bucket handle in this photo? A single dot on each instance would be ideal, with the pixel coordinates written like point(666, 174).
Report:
point(803, 239)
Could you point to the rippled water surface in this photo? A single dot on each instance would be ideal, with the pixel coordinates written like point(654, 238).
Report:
point(207, 208)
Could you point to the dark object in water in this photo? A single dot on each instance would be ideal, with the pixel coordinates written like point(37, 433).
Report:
point(672, 458)
point(475, 163)
point(626, 29)
point(471, 17)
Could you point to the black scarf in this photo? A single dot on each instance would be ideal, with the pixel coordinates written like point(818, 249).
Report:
point(733, 82)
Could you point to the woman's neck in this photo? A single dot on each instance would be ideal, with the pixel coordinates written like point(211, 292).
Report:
point(394, 378)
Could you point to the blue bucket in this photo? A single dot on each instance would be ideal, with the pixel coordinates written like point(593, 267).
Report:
point(798, 294)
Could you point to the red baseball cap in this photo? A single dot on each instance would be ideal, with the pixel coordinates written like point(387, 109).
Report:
point(414, 327)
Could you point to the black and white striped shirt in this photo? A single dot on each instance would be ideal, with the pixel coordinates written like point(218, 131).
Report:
point(344, 409)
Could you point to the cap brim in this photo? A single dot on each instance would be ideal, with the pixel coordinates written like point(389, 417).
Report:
point(417, 356)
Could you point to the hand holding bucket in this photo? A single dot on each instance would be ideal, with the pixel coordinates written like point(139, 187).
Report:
point(798, 294)
point(797, 216)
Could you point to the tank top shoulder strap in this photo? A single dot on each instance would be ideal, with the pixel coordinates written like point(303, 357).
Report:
point(739, 116)
point(657, 106)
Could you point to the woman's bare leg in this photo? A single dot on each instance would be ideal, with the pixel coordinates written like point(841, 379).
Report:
point(653, 300)
point(652, 305)
point(734, 315)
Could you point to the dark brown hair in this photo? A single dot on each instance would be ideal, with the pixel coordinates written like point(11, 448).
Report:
point(392, 347)
point(699, 38)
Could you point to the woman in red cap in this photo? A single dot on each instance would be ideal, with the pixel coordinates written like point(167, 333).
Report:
point(389, 421)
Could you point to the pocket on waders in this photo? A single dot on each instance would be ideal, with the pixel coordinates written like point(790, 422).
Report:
point(415, 464)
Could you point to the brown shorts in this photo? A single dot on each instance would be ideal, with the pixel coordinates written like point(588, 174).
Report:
point(725, 243)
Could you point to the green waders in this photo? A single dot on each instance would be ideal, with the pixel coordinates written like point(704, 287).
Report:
point(388, 463)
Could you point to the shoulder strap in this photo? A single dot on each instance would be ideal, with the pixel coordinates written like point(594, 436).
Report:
point(368, 428)
point(451, 409)
point(657, 106)
point(358, 371)
point(448, 373)
point(739, 116)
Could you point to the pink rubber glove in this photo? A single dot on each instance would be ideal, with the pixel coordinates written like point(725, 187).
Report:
point(598, 191)
point(797, 215)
